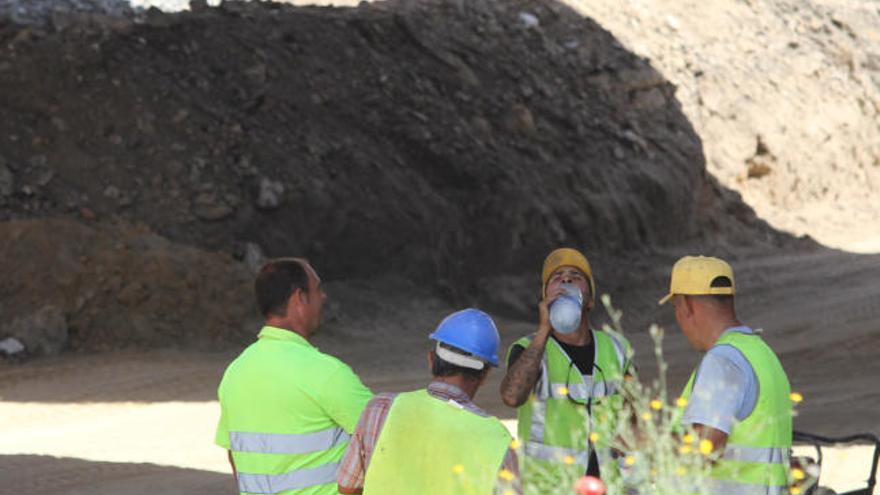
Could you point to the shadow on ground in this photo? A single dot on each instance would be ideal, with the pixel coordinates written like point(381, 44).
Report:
point(68, 476)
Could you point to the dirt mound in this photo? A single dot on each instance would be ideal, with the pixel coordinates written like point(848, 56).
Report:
point(123, 286)
point(451, 143)
point(784, 93)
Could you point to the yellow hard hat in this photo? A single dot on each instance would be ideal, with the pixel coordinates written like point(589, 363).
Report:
point(693, 275)
point(566, 257)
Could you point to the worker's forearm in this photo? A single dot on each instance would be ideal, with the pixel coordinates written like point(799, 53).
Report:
point(523, 373)
point(232, 464)
point(350, 491)
point(717, 437)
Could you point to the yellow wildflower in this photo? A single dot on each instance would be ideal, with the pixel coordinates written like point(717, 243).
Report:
point(687, 438)
point(681, 402)
point(647, 416)
point(629, 460)
point(797, 474)
point(458, 469)
point(706, 447)
point(685, 449)
point(506, 474)
point(568, 460)
point(795, 490)
point(594, 437)
point(656, 405)
point(796, 397)
point(515, 444)
point(562, 390)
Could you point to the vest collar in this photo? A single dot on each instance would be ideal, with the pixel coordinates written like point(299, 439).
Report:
point(275, 333)
point(740, 329)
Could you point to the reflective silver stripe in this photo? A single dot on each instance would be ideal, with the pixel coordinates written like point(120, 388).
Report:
point(724, 487)
point(620, 350)
point(756, 454)
point(539, 411)
point(583, 391)
point(606, 388)
point(279, 443)
point(556, 454)
point(542, 388)
point(577, 391)
point(293, 480)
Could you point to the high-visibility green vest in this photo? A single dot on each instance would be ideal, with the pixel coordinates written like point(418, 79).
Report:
point(286, 414)
point(756, 458)
point(554, 424)
point(433, 446)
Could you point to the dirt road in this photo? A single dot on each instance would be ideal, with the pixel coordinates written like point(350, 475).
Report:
point(142, 422)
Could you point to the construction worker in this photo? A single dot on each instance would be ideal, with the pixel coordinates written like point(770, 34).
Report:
point(287, 410)
point(559, 381)
point(436, 440)
point(739, 396)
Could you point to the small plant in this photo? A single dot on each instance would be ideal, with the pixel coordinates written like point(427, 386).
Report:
point(652, 452)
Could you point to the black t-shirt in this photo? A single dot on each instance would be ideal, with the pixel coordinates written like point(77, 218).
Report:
point(582, 356)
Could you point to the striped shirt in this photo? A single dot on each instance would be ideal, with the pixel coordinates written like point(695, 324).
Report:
point(354, 464)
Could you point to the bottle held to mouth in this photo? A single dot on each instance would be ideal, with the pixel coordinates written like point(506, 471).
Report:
point(565, 312)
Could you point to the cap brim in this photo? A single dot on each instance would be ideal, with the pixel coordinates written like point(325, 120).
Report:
point(666, 299)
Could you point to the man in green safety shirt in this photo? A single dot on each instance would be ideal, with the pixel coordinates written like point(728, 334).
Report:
point(287, 409)
point(436, 440)
point(562, 380)
point(739, 396)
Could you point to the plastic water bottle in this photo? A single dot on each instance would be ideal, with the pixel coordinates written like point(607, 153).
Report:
point(565, 312)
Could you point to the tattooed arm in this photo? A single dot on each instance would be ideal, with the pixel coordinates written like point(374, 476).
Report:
point(523, 373)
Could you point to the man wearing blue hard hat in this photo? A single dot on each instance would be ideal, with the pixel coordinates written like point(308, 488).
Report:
point(436, 440)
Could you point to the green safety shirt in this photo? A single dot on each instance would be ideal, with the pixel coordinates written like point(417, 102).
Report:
point(555, 423)
point(756, 458)
point(287, 412)
point(437, 447)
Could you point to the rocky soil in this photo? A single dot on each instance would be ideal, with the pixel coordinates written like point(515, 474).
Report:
point(785, 96)
point(447, 144)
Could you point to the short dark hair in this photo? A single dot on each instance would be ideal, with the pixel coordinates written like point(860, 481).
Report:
point(277, 280)
point(445, 368)
point(722, 300)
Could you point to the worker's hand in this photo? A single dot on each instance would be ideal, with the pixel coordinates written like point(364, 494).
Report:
point(544, 327)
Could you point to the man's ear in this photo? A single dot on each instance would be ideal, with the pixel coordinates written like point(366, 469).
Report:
point(590, 302)
point(485, 375)
point(297, 299)
point(689, 305)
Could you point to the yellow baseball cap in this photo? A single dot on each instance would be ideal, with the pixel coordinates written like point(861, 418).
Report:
point(693, 275)
point(566, 257)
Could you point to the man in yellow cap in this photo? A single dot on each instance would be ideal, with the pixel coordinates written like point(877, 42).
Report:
point(559, 378)
point(739, 396)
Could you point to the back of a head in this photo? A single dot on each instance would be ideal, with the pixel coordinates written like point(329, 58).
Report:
point(702, 276)
point(467, 344)
point(444, 367)
point(723, 304)
point(276, 281)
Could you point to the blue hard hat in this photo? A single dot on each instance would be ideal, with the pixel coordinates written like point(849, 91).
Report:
point(471, 331)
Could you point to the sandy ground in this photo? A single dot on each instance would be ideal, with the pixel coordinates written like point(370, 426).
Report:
point(142, 422)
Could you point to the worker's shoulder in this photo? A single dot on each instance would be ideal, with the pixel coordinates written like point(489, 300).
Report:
point(727, 355)
point(332, 363)
point(523, 341)
point(617, 339)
